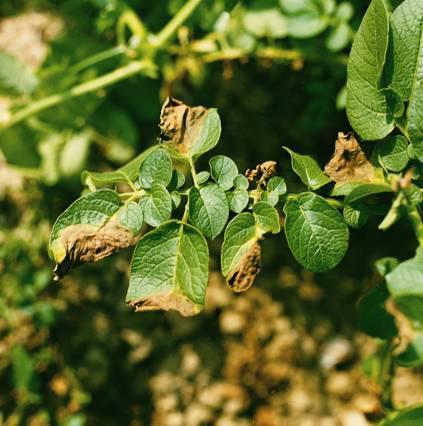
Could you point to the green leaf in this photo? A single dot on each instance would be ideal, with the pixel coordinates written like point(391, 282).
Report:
point(386, 265)
point(75, 152)
point(241, 182)
point(223, 170)
point(392, 153)
point(237, 199)
point(404, 70)
point(356, 215)
point(176, 199)
point(169, 270)
point(410, 416)
point(267, 218)
point(156, 169)
point(126, 173)
point(88, 230)
point(339, 37)
point(345, 11)
point(208, 134)
point(202, 177)
point(413, 354)
point(264, 18)
point(366, 189)
point(277, 184)
point(177, 181)
point(308, 170)
point(240, 235)
point(208, 209)
point(15, 76)
point(316, 233)
point(131, 217)
point(367, 107)
point(23, 368)
point(373, 318)
point(405, 283)
point(157, 205)
point(271, 198)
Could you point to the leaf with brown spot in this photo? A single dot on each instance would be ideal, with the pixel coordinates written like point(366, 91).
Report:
point(188, 131)
point(89, 230)
point(349, 162)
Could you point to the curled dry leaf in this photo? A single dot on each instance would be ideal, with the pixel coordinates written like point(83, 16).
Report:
point(179, 124)
point(262, 173)
point(349, 162)
point(165, 302)
point(87, 243)
point(243, 275)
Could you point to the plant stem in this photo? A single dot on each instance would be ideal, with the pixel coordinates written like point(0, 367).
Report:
point(193, 173)
point(170, 28)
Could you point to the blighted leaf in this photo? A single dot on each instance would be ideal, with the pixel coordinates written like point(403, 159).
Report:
point(405, 283)
point(169, 270)
point(157, 205)
point(356, 215)
point(188, 131)
point(131, 217)
point(277, 184)
point(367, 107)
point(208, 209)
point(316, 233)
point(88, 230)
point(267, 218)
point(392, 153)
point(126, 173)
point(237, 199)
point(262, 173)
point(156, 168)
point(307, 169)
point(349, 162)
point(373, 318)
point(366, 189)
point(223, 170)
point(242, 276)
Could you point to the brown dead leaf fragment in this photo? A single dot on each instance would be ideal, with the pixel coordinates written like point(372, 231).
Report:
point(262, 173)
point(179, 124)
point(83, 244)
point(166, 302)
point(243, 275)
point(349, 162)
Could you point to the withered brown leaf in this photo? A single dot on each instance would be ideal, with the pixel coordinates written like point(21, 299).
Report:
point(262, 173)
point(243, 275)
point(349, 162)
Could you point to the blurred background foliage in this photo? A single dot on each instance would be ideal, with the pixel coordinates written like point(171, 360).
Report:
point(288, 351)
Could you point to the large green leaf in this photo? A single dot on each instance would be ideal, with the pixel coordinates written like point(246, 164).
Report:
point(316, 232)
point(208, 209)
point(169, 270)
point(15, 76)
point(404, 69)
point(308, 170)
point(405, 283)
point(88, 230)
point(367, 107)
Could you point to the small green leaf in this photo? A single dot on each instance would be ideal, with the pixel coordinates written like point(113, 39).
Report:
point(356, 215)
point(23, 368)
point(373, 317)
point(169, 270)
point(237, 199)
point(366, 189)
point(176, 199)
point(271, 198)
point(277, 184)
point(131, 217)
point(413, 354)
point(267, 218)
point(386, 265)
point(157, 206)
point(392, 153)
point(156, 169)
point(74, 154)
point(240, 235)
point(208, 209)
point(345, 11)
point(208, 134)
point(405, 283)
point(410, 416)
point(241, 182)
point(339, 37)
point(15, 76)
point(202, 177)
point(223, 170)
point(316, 233)
point(367, 107)
point(177, 181)
point(308, 170)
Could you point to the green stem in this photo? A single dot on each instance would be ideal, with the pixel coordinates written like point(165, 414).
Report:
point(386, 376)
point(416, 223)
point(108, 79)
point(193, 173)
point(170, 28)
